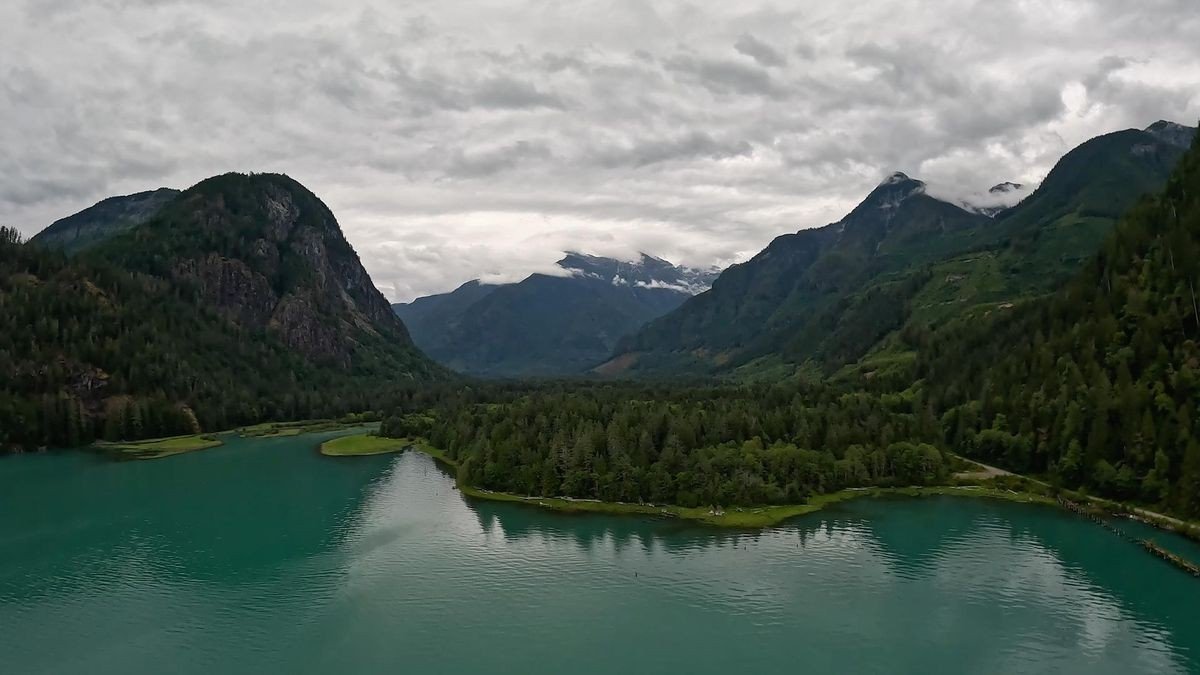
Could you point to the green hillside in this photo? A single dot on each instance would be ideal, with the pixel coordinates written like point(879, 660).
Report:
point(900, 261)
point(1096, 385)
point(239, 302)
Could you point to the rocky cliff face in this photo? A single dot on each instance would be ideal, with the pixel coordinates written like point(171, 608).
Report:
point(266, 254)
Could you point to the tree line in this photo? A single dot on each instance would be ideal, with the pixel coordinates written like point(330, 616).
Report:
point(91, 351)
point(691, 446)
point(1097, 385)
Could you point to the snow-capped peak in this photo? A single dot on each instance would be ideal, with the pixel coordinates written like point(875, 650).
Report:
point(896, 178)
point(646, 272)
point(1004, 188)
point(1173, 133)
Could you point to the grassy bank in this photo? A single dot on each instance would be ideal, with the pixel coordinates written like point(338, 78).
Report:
point(1108, 507)
point(751, 516)
point(363, 444)
point(740, 517)
point(285, 429)
point(1097, 505)
point(156, 448)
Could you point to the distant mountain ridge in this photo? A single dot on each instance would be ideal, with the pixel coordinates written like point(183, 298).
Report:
point(105, 219)
point(647, 272)
point(831, 295)
point(548, 325)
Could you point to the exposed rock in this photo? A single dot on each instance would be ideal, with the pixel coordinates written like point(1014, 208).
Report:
point(235, 290)
point(266, 254)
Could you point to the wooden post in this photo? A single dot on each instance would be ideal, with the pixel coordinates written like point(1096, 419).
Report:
point(1195, 312)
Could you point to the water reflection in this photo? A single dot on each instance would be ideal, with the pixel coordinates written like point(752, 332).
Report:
point(268, 557)
point(1004, 562)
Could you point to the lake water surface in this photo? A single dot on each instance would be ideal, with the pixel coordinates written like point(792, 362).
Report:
point(263, 556)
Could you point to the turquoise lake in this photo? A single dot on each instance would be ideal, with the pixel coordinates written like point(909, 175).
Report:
point(263, 556)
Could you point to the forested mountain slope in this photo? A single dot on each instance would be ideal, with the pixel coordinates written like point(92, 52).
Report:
point(428, 318)
point(1093, 387)
point(268, 255)
point(548, 325)
point(902, 257)
point(239, 302)
point(1097, 385)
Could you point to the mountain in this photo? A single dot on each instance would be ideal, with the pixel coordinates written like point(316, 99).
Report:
point(999, 197)
point(647, 272)
point(267, 255)
point(429, 317)
point(782, 295)
point(1096, 384)
point(106, 219)
point(239, 301)
point(902, 257)
point(548, 325)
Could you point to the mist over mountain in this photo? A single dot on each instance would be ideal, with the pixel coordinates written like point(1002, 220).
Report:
point(549, 325)
point(905, 254)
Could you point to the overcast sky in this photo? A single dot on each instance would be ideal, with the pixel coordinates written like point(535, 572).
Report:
point(463, 139)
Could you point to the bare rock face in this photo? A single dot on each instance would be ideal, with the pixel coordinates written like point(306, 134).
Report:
point(299, 325)
point(267, 254)
point(232, 287)
point(1170, 132)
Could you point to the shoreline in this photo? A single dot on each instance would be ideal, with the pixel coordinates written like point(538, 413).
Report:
point(750, 517)
point(157, 448)
point(169, 446)
point(747, 517)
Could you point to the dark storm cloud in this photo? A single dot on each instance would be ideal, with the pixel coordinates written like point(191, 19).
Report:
point(464, 139)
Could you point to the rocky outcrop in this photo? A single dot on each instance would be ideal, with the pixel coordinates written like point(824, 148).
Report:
point(301, 327)
point(232, 287)
point(267, 254)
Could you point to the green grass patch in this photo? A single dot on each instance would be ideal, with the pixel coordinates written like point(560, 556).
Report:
point(751, 517)
point(285, 429)
point(363, 444)
point(156, 448)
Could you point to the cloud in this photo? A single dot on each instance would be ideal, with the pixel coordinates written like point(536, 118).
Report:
point(689, 146)
point(999, 196)
point(485, 161)
point(479, 140)
point(726, 77)
point(766, 55)
point(505, 92)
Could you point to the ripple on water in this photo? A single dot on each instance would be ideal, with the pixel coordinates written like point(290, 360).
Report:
point(305, 564)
